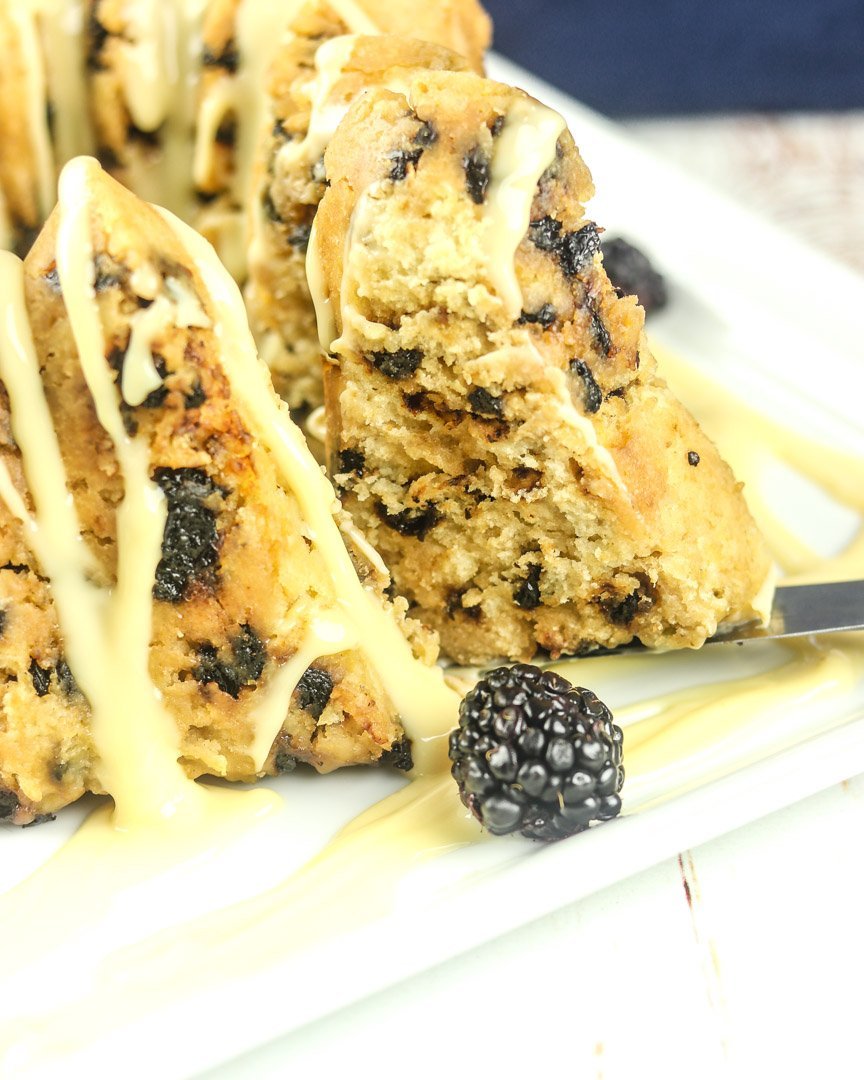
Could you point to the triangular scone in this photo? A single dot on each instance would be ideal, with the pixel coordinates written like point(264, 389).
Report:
point(496, 422)
point(26, 163)
point(243, 42)
point(311, 87)
point(242, 587)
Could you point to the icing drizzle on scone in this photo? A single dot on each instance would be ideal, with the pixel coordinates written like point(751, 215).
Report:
point(524, 150)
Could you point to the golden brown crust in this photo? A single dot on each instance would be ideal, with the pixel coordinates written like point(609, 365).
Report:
point(480, 484)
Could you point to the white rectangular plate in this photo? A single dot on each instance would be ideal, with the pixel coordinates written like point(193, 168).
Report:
point(745, 308)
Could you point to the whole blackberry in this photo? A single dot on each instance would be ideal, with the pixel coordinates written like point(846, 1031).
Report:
point(633, 275)
point(536, 755)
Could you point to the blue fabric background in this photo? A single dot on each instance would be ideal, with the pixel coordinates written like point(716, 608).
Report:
point(673, 56)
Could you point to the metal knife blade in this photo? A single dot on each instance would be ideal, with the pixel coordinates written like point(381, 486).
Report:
point(802, 610)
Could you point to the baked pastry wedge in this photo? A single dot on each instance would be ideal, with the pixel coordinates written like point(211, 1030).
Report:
point(496, 422)
point(170, 572)
point(310, 89)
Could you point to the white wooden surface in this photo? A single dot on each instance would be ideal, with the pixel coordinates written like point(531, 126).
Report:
point(740, 958)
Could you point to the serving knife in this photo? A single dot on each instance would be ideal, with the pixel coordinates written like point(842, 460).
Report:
point(801, 610)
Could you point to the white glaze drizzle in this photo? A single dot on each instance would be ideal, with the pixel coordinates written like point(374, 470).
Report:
point(260, 30)
point(325, 115)
point(355, 18)
point(176, 307)
point(106, 632)
point(36, 103)
point(61, 23)
point(136, 738)
point(146, 72)
point(218, 102)
point(324, 637)
point(160, 74)
point(316, 424)
point(524, 150)
point(531, 358)
point(325, 318)
point(427, 707)
point(324, 118)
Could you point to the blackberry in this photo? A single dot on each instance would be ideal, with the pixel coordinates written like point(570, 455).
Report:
point(485, 404)
point(41, 678)
point(191, 543)
point(478, 174)
point(238, 667)
point(401, 159)
point(526, 594)
point(592, 395)
point(399, 756)
point(633, 275)
point(536, 755)
point(399, 364)
point(411, 522)
point(426, 135)
point(544, 317)
point(578, 248)
point(314, 690)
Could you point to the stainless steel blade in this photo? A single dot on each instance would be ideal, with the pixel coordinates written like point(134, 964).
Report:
point(802, 610)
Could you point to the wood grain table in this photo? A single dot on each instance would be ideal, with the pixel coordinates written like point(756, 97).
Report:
point(738, 959)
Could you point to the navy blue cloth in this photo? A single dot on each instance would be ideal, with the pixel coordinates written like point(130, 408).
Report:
point(662, 57)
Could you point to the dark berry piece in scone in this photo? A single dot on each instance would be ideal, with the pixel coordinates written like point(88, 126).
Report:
point(532, 463)
point(632, 274)
point(535, 755)
point(235, 586)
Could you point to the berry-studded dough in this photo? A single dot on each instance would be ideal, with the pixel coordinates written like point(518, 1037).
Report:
point(238, 580)
point(311, 88)
point(497, 425)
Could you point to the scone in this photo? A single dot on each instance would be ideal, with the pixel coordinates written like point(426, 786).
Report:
point(240, 642)
point(243, 42)
point(497, 425)
point(310, 88)
point(143, 65)
point(26, 158)
point(168, 95)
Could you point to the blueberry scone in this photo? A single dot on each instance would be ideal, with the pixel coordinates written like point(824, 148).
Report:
point(157, 548)
point(311, 88)
point(497, 425)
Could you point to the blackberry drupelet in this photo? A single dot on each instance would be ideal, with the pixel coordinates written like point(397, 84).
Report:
point(536, 755)
point(633, 275)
